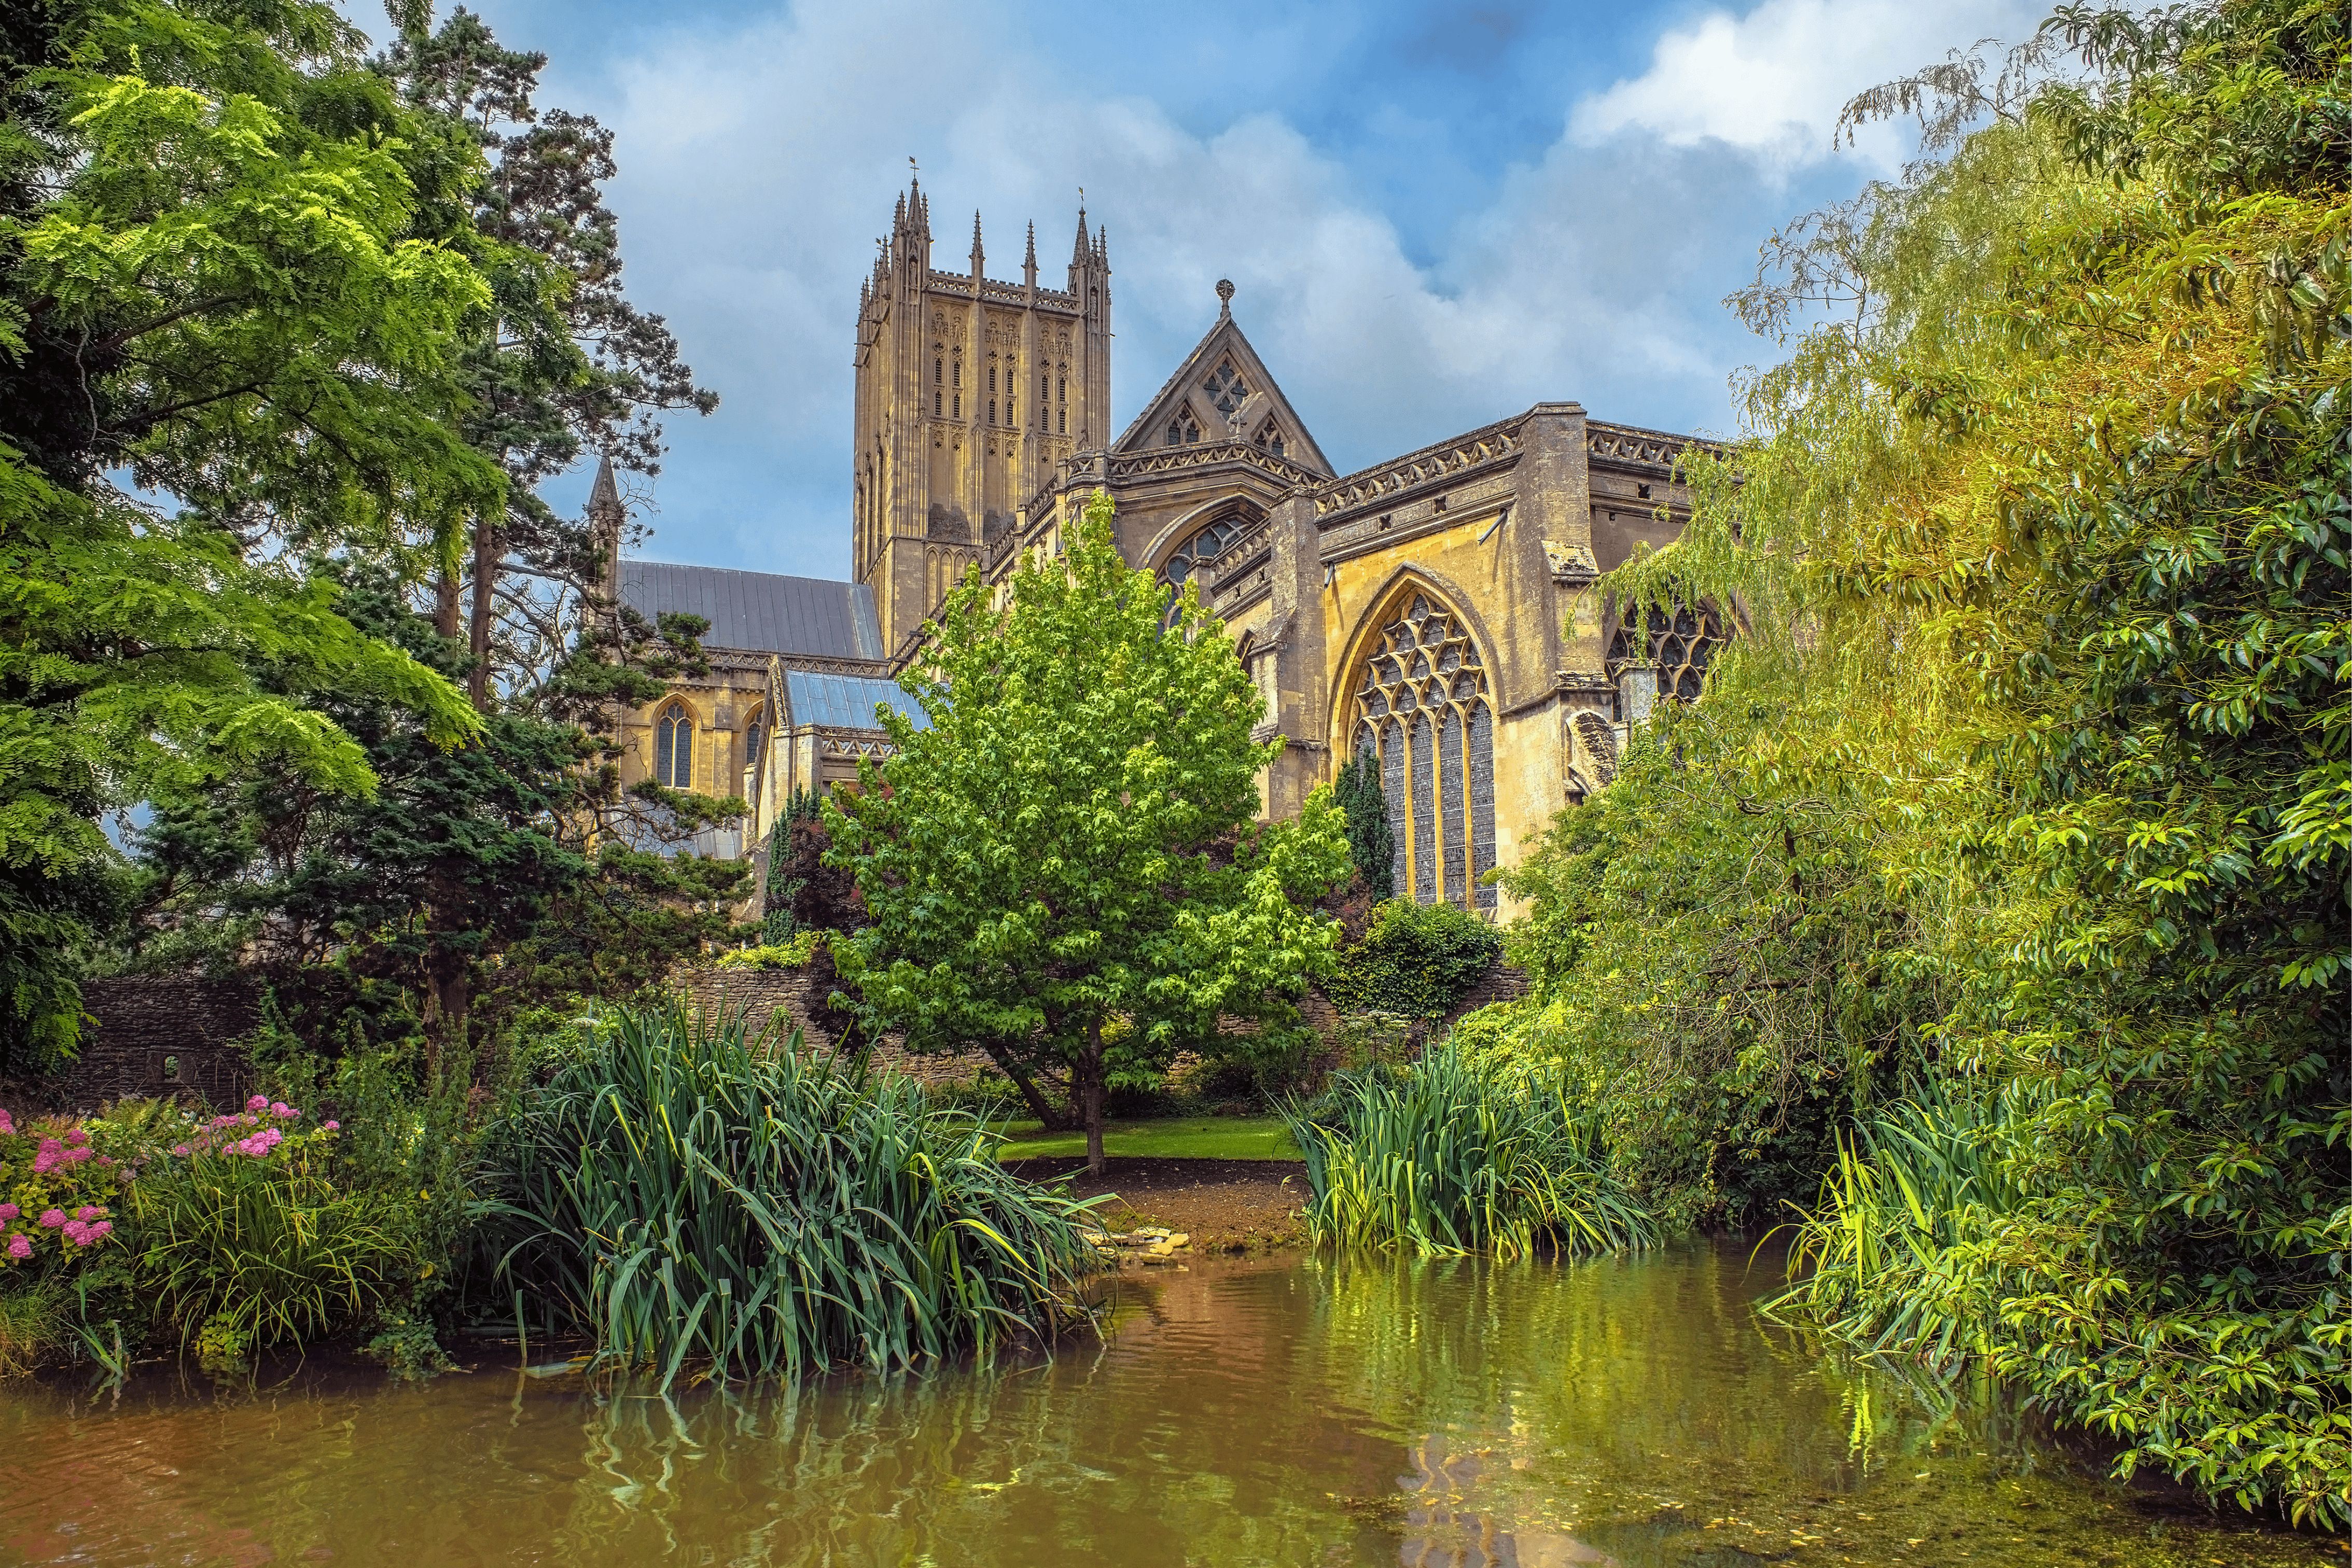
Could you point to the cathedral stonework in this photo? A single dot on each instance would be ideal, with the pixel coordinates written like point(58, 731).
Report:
point(1438, 610)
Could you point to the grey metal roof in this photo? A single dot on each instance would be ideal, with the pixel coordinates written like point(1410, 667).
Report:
point(759, 611)
point(846, 701)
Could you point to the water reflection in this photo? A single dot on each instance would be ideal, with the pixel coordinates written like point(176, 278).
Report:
point(1285, 1411)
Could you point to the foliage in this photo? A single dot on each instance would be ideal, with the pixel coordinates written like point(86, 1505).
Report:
point(1448, 1157)
point(1061, 870)
point(249, 1241)
point(698, 1192)
point(1416, 960)
point(2042, 533)
point(1372, 842)
point(219, 275)
point(792, 953)
point(57, 1188)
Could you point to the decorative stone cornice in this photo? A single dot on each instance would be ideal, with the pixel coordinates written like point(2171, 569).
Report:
point(1446, 463)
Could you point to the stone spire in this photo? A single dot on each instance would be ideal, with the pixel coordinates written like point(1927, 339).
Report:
point(978, 258)
point(1078, 256)
point(604, 496)
point(1029, 261)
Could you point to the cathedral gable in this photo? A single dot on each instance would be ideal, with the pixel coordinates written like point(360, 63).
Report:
point(1223, 392)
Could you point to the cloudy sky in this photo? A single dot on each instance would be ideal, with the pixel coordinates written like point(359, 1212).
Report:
point(1434, 214)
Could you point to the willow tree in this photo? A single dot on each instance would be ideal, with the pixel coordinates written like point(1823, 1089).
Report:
point(1061, 868)
point(2042, 528)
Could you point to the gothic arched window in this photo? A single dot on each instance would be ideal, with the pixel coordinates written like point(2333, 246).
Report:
point(1666, 657)
point(1423, 707)
point(753, 734)
point(674, 748)
point(1203, 546)
point(1269, 438)
point(1184, 429)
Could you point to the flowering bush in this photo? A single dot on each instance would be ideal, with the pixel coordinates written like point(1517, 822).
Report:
point(252, 1134)
point(55, 1188)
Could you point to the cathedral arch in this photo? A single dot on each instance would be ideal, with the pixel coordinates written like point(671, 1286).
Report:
point(1421, 697)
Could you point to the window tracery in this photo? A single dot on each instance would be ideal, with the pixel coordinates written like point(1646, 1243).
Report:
point(1184, 429)
point(1423, 707)
point(1225, 388)
point(1269, 438)
point(1673, 647)
point(674, 748)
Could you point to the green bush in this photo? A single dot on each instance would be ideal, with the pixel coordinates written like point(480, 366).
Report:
point(1446, 1157)
point(1416, 959)
point(698, 1192)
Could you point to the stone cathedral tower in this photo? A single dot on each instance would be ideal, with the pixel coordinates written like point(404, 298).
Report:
point(970, 393)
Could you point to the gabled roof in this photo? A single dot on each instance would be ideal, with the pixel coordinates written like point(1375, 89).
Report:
point(1225, 340)
point(760, 612)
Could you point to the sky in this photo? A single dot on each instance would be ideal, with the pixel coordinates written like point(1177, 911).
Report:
point(1434, 215)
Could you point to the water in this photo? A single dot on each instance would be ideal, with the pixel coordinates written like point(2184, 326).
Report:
point(1281, 1412)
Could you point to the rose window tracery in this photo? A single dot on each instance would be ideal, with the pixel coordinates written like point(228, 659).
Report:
point(1423, 707)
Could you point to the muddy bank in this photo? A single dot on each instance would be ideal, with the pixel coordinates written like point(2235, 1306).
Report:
point(1227, 1205)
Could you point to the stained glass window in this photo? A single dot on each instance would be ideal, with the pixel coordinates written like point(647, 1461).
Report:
point(1679, 644)
point(1202, 547)
point(1424, 705)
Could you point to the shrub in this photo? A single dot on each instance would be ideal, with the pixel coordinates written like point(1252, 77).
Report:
point(1417, 959)
point(695, 1192)
point(248, 1241)
point(1444, 1159)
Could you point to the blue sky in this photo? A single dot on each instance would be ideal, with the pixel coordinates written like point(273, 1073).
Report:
point(1433, 214)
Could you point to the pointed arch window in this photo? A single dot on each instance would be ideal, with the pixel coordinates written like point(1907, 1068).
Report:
point(1184, 429)
point(754, 733)
point(674, 748)
point(1204, 547)
point(1269, 438)
point(1666, 655)
point(1423, 707)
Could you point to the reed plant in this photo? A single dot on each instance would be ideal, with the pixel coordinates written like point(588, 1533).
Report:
point(695, 1193)
point(1452, 1156)
point(1885, 1261)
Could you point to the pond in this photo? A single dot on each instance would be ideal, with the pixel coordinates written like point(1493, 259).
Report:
point(1279, 1411)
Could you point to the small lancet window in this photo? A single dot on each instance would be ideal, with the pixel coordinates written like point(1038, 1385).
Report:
point(959, 374)
point(753, 733)
point(674, 748)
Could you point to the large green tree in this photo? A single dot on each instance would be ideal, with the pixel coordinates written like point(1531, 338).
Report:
point(1061, 867)
point(2043, 528)
point(224, 274)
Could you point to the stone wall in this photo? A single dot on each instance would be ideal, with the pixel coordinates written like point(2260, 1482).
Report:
point(152, 1035)
point(765, 993)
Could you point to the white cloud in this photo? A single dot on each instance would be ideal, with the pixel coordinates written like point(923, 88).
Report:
point(1770, 82)
point(759, 163)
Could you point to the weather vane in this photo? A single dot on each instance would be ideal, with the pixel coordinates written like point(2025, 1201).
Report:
point(918, 168)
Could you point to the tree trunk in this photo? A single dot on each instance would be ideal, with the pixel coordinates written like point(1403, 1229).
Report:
point(1090, 1095)
point(445, 606)
point(1052, 1117)
point(477, 631)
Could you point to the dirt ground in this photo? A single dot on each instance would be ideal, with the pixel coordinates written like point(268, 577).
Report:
point(1227, 1205)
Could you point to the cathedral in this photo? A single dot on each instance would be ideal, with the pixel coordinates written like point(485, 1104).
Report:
point(1438, 609)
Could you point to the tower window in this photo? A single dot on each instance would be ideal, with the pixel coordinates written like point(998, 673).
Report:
point(1225, 388)
point(937, 369)
point(1062, 422)
point(991, 411)
point(674, 748)
point(753, 733)
point(959, 374)
point(1184, 429)
point(1064, 394)
point(935, 404)
point(1011, 419)
point(992, 378)
point(959, 405)
point(1044, 389)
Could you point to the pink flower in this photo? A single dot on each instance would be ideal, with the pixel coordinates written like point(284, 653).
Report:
point(7, 1127)
point(76, 1233)
point(280, 1108)
point(8, 1211)
point(182, 1151)
point(20, 1247)
point(257, 1102)
point(88, 1212)
point(75, 1157)
point(54, 1217)
point(78, 1135)
point(103, 1228)
point(333, 1126)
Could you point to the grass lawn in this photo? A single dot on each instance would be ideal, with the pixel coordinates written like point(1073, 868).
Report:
point(1178, 1137)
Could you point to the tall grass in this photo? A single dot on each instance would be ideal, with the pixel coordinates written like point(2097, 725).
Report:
point(1448, 1157)
point(697, 1192)
point(1883, 1262)
point(271, 1250)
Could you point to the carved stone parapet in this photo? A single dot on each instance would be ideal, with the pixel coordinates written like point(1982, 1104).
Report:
point(1444, 463)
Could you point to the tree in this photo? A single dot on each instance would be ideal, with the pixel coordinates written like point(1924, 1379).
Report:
point(220, 273)
point(1372, 842)
point(1061, 869)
